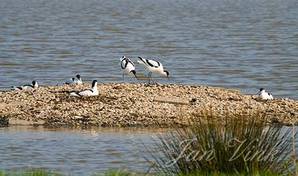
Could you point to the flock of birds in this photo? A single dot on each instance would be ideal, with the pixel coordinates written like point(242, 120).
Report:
point(128, 68)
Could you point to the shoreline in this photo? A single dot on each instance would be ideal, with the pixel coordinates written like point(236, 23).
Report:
point(135, 105)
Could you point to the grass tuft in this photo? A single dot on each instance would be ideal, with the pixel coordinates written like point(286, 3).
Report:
point(118, 173)
point(30, 172)
point(227, 145)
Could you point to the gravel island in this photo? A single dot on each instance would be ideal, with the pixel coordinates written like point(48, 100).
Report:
point(137, 105)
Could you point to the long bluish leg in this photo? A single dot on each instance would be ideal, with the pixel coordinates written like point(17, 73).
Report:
point(123, 77)
point(149, 76)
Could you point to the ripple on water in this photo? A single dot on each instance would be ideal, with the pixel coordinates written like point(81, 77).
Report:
point(75, 152)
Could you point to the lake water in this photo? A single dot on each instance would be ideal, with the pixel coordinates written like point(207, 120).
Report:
point(78, 152)
point(229, 43)
point(75, 152)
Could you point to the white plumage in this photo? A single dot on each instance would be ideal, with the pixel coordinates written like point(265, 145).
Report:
point(88, 92)
point(265, 95)
point(154, 67)
point(78, 79)
point(127, 66)
point(34, 85)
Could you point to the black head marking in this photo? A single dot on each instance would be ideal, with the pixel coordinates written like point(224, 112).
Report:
point(94, 82)
point(78, 76)
point(33, 82)
point(261, 89)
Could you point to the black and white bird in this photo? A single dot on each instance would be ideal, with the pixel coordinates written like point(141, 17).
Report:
point(34, 85)
point(70, 82)
point(153, 67)
point(78, 79)
point(265, 95)
point(88, 92)
point(127, 66)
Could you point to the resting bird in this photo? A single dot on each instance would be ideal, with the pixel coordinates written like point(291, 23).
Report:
point(70, 82)
point(265, 95)
point(34, 85)
point(78, 79)
point(88, 92)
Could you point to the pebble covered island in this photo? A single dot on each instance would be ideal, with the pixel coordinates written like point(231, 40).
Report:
point(134, 105)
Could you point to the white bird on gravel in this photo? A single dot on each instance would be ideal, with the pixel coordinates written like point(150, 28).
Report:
point(127, 66)
point(78, 79)
point(153, 67)
point(265, 95)
point(34, 85)
point(70, 82)
point(88, 92)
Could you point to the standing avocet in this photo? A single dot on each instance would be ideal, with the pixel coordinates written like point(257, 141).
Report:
point(127, 67)
point(154, 67)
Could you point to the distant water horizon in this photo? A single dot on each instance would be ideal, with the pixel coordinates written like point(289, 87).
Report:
point(244, 45)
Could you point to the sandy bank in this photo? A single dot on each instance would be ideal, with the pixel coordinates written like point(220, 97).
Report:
point(134, 105)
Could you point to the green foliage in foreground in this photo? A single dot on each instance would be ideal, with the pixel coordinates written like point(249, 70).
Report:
point(118, 173)
point(41, 172)
point(223, 174)
point(227, 145)
point(30, 172)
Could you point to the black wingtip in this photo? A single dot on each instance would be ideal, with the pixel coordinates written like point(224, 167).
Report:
point(167, 72)
point(134, 73)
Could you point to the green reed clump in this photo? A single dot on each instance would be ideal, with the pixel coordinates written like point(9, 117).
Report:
point(233, 144)
point(229, 174)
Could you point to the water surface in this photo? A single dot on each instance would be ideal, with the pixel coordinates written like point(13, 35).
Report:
point(79, 152)
point(75, 152)
point(229, 43)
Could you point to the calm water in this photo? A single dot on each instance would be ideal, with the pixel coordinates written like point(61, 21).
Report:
point(75, 152)
point(244, 44)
